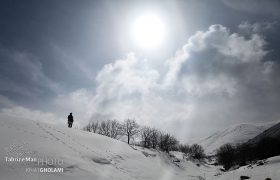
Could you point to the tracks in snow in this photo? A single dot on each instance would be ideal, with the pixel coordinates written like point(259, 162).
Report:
point(101, 159)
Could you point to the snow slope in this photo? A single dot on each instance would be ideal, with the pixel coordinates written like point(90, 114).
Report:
point(85, 155)
point(88, 156)
point(234, 135)
point(273, 132)
point(271, 169)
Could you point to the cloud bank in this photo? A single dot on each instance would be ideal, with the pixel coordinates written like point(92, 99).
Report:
point(216, 79)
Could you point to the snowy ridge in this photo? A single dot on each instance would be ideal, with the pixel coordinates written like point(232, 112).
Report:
point(235, 134)
point(273, 132)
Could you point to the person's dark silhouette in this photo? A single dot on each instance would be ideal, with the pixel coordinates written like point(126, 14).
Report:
point(70, 120)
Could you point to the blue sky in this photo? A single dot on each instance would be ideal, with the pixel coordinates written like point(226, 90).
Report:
point(218, 63)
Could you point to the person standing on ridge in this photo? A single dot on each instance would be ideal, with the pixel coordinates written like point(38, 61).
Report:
point(70, 120)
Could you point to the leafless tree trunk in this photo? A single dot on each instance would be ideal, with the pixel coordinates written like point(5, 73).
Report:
point(154, 138)
point(130, 128)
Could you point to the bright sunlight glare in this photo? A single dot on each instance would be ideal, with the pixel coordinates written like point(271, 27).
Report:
point(148, 31)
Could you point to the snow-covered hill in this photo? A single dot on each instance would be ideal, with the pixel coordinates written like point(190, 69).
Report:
point(85, 155)
point(234, 135)
point(273, 132)
point(28, 147)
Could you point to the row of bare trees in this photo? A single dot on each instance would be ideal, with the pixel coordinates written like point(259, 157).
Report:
point(114, 129)
point(153, 138)
point(194, 151)
point(149, 137)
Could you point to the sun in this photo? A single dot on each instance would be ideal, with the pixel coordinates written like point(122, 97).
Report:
point(148, 31)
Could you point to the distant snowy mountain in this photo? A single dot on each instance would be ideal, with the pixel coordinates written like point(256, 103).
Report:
point(234, 135)
point(273, 132)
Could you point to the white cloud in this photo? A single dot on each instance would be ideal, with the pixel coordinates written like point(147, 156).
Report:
point(257, 27)
point(126, 77)
point(210, 74)
point(211, 60)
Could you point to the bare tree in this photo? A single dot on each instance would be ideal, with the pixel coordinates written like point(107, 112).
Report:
point(87, 127)
point(197, 151)
point(184, 149)
point(154, 138)
point(146, 136)
point(130, 129)
point(115, 129)
point(167, 142)
point(104, 128)
point(94, 126)
point(149, 137)
point(110, 128)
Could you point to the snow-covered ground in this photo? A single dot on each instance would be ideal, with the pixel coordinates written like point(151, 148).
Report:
point(271, 169)
point(85, 155)
point(235, 134)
